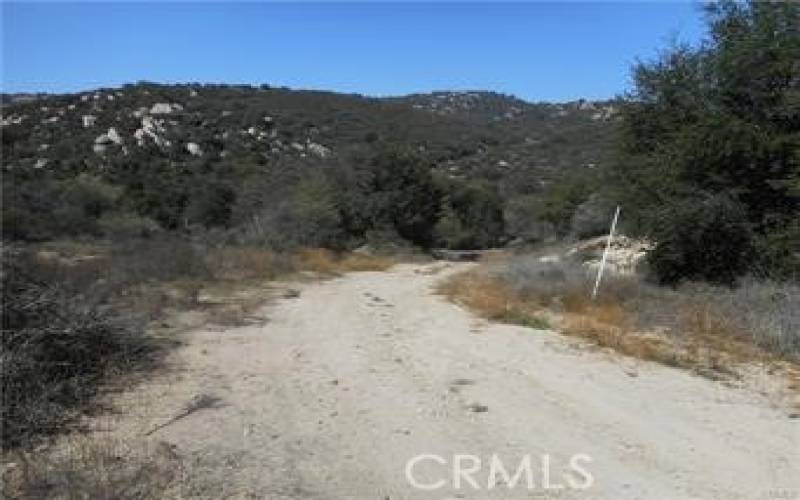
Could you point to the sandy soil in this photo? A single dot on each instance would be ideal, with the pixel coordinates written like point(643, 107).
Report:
point(333, 395)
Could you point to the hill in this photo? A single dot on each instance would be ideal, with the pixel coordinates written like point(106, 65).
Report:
point(195, 132)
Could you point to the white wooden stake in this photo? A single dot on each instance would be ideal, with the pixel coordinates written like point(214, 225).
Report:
point(605, 254)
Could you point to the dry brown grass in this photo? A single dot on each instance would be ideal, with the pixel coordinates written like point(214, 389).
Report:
point(486, 296)
point(247, 263)
point(355, 262)
point(243, 267)
point(317, 260)
point(236, 310)
point(715, 340)
point(325, 261)
point(607, 324)
point(492, 299)
point(93, 467)
point(698, 335)
point(604, 327)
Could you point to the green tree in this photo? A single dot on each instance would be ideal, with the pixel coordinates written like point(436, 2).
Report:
point(702, 239)
point(211, 204)
point(393, 190)
point(719, 120)
point(472, 216)
point(559, 203)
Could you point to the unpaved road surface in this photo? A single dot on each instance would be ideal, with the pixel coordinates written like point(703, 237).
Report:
point(344, 384)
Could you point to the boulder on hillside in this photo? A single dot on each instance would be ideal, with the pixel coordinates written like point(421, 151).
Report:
point(114, 136)
point(318, 150)
point(103, 139)
point(165, 108)
point(194, 149)
point(110, 137)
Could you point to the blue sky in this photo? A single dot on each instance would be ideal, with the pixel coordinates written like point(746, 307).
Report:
point(535, 50)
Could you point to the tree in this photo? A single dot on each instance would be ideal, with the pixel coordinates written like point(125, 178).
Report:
point(702, 239)
point(559, 203)
point(717, 121)
point(472, 216)
point(211, 204)
point(394, 189)
point(523, 220)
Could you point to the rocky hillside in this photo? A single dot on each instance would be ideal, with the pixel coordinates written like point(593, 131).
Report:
point(475, 169)
point(466, 134)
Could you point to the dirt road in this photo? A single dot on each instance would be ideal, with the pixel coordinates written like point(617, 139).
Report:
point(346, 383)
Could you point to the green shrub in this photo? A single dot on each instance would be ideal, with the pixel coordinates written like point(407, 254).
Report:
point(126, 226)
point(163, 258)
point(560, 201)
point(211, 205)
point(45, 208)
point(592, 217)
point(717, 118)
point(778, 251)
point(472, 217)
point(307, 217)
point(523, 220)
point(392, 190)
point(702, 239)
point(93, 196)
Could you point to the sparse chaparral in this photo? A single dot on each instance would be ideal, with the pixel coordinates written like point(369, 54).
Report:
point(582, 282)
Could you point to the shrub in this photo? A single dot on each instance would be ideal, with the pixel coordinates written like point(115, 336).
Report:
point(706, 240)
point(157, 259)
point(307, 218)
point(489, 297)
point(718, 117)
point(394, 190)
point(778, 252)
point(559, 202)
point(450, 231)
point(706, 328)
point(544, 281)
point(42, 208)
point(92, 195)
point(56, 348)
point(592, 217)
point(126, 226)
point(767, 312)
point(757, 312)
point(238, 263)
point(95, 468)
point(523, 220)
point(211, 205)
point(472, 217)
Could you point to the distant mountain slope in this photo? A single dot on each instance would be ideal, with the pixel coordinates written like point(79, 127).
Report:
point(517, 145)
